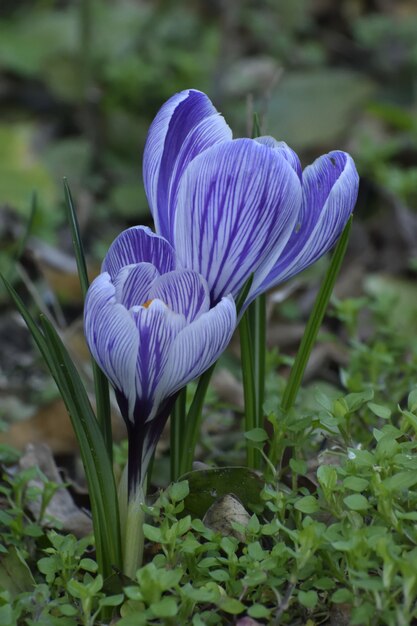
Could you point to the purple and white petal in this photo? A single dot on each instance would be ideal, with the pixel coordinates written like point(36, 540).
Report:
point(186, 125)
point(207, 133)
point(137, 245)
point(287, 152)
point(112, 338)
point(183, 291)
point(133, 284)
point(330, 189)
point(237, 206)
point(198, 346)
point(156, 327)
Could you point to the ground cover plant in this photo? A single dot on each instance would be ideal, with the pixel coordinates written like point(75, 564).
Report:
point(332, 541)
point(282, 488)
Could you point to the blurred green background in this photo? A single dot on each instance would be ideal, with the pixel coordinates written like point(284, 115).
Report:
point(80, 82)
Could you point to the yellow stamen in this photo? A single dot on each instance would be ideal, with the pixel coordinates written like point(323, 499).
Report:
point(147, 304)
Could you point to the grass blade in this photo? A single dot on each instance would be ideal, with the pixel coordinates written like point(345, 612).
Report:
point(193, 421)
point(11, 272)
point(101, 385)
point(314, 322)
point(96, 462)
point(76, 239)
point(98, 467)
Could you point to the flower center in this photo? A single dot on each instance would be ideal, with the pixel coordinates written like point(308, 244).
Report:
point(147, 304)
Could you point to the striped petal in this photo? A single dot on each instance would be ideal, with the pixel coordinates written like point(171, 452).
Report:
point(157, 326)
point(133, 284)
point(183, 291)
point(287, 152)
point(112, 337)
point(237, 206)
point(185, 126)
point(330, 189)
point(135, 245)
point(198, 346)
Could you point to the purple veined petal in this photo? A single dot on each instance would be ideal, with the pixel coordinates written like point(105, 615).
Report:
point(330, 189)
point(198, 346)
point(133, 284)
point(112, 337)
point(207, 133)
point(136, 245)
point(183, 291)
point(237, 206)
point(187, 124)
point(287, 152)
point(157, 326)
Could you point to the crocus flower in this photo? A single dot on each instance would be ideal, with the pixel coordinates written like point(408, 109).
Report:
point(151, 329)
point(236, 207)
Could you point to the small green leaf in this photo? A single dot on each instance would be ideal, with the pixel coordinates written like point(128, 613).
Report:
point(48, 566)
point(6, 615)
point(256, 552)
point(77, 589)
point(298, 466)
point(167, 607)
point(88, 565)
point(325, 583)
point(259, 611)
point(179, 491)
point(342, 596)
point(232, 606)
point(355, 483)
point(363, 614)
point(327, 476)
point(112, 600)
point(356, 502)
point(152, 533)
point(184, 525)
point(258, 435)
point(307, 504)
point(220, 575)
point(253, 525)
point(354, 401)
point(387, 447)
point(379, 410)
point(69, 610)
point(308, 599)
point(15, 575)
point(95, 585)
point(400, 481)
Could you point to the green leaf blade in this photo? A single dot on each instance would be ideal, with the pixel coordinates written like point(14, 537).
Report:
point(315, 320)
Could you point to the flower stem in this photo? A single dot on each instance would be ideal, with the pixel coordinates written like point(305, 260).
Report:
point(257, 324)
point(246, 355)
point(177, 431)
point(133, 533)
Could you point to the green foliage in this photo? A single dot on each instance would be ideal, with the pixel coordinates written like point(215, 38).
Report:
point(96, 460)
point(352, 542)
